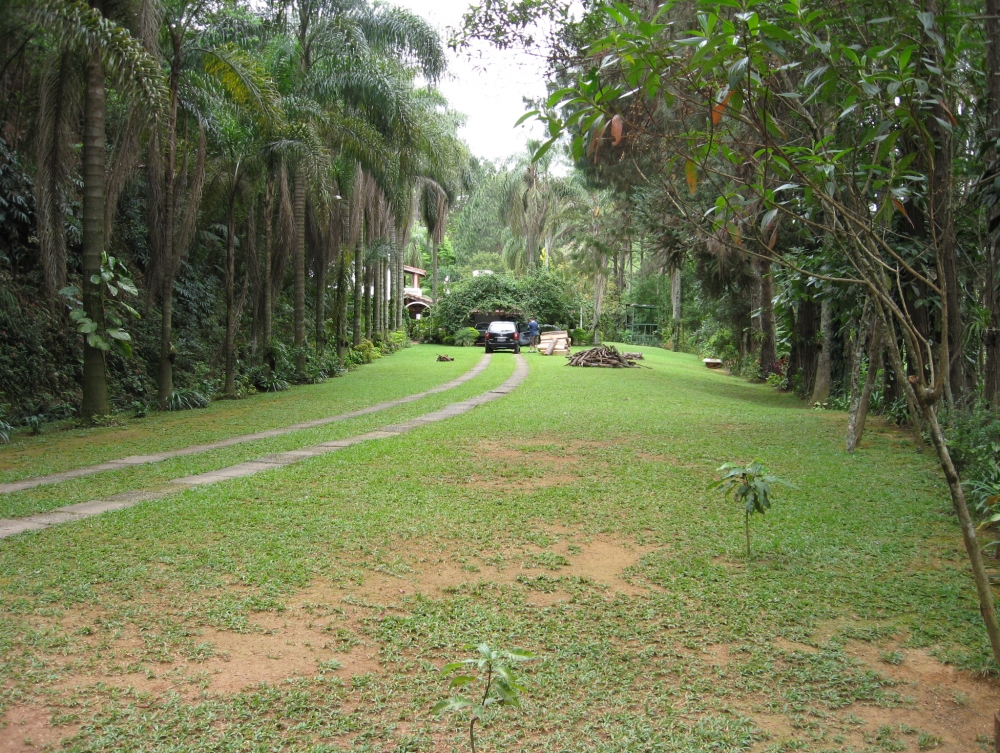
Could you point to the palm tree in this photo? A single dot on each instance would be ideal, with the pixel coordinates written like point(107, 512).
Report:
point(205, 70)
point(98, 36)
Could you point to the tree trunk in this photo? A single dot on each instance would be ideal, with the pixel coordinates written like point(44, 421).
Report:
point(675, 302)
point(769, 335)
point(983, 589)
point(991, 338)
point(165, 383)
point(299, 270)
point(340, 306)
point(229, 390)
point(599, 283)
point(434, 271)
point(268, 305)
point(821, 389)
point(859, 410)
point(95, 382)
point(321, 304)
point(359, 273)
point(368, 301)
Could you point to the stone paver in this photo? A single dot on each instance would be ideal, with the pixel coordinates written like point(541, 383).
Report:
point(268, 462)
point(115, 465)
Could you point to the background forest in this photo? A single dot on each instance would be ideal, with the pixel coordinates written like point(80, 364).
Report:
point(210, 198)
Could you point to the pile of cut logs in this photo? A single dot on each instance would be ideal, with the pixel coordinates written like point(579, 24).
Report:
point(606, 356)
point(554, 343)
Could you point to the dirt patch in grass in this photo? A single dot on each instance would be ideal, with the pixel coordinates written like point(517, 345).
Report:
point(521, 482)
point(603, 560)
point(30, 728)
point(950, 704)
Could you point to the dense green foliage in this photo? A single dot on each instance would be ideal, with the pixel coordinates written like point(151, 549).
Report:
point(542, 295)
point(258, 159)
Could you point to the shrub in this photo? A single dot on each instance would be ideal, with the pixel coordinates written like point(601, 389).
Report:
point(580, 336)
point(366, 352)
point(186, 399)
point(973, 438)
point(5, 430)
point(466, 336)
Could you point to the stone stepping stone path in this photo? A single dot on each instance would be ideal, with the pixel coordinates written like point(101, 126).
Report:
point(114, 465)
point(71, 513)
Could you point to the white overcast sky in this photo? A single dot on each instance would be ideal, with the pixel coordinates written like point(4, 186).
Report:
point(489, 89)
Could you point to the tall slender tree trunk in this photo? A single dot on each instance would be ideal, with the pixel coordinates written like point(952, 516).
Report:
point(229, 390)
point(268, 273)
point(340, 306)
point(821, 388)
point(165, 383)
point(95, 381)
point(299, 270)
point(991, 337)
point(600, 280)
point(368, 301)
point(359, 282)
point(675, 302)
point(434, 271)
point(859, 410)
point(321, 304)
point(979, 574)
point(769, 336)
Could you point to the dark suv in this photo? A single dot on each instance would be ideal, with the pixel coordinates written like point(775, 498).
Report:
point(503, 335)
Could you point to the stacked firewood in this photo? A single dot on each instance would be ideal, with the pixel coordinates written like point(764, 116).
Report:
point(606, 356)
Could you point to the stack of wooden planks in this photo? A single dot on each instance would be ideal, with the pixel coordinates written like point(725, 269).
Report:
point(554, 343)
point(606, 356)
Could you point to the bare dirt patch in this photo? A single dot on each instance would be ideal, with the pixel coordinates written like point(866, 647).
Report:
point(323, 628)
point(30, 728)
point(946, 702)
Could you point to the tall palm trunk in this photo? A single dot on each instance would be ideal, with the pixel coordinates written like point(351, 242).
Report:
point(321, 303)
point(340, 307)
point(991, 337)
point(165, 383)
point(228, 348)
point(268, 306)
point(359, 274)
point(368, 301)
point(95, 381)
point(398, 279)
point(299, 269)
point(434, 271)
point(600, 279)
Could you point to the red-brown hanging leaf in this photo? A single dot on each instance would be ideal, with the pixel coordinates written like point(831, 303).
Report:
point(901, 209)
point(595, 142)
point(691, 173)
point(719, 107)
point(616, 130)
point(773, 240)
point(944, 107)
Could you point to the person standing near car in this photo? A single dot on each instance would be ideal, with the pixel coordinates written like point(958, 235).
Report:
point(533, 335)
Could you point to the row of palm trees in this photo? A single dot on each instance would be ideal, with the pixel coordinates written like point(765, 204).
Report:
point(310, 122)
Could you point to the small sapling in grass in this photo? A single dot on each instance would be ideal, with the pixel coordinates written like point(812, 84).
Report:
point(500, 686)
point(751, 486)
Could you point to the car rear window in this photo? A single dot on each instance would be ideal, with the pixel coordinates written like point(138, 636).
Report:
point(501, 327)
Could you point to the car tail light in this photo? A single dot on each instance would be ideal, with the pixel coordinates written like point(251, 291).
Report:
point(487, 335)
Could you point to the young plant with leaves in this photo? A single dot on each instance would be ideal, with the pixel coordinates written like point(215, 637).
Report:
point(750, 486)
point(115, 282)
point(500, 686)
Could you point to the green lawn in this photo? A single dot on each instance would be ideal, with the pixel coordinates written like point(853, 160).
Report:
point(312, 607)
point(388, 378)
